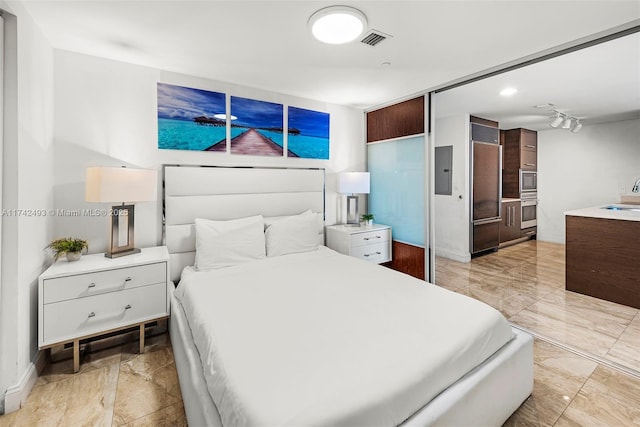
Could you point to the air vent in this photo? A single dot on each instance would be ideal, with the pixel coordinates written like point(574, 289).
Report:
point(373, 37)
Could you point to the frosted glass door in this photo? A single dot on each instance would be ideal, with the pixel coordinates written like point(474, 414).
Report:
point(397, 195)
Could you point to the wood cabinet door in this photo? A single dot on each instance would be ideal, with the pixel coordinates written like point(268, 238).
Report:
point(528, 140)
point(529, 160)
point(510, 226)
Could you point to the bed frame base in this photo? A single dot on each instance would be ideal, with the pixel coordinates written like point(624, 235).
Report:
point(486, 396)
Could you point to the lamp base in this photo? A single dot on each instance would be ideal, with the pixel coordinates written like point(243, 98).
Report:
point(122, 253)
point(352, 211)
point(122, 220)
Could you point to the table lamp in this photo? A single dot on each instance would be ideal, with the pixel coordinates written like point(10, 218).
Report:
point(121, 184)
point(352, 183)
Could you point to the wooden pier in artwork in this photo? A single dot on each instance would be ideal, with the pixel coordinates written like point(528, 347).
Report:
point(251, 142)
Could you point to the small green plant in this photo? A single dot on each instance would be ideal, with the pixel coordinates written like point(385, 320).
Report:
point(66, 245)
point(367, 217)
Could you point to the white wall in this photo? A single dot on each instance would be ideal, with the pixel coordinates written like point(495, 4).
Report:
point(452, 212)
point(106, 114)
point(585, 169)
point(27, 181)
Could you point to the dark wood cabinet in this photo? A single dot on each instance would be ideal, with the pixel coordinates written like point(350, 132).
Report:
point(403, 119)
point(520, 151)
point(510, 226)
point(602, 258)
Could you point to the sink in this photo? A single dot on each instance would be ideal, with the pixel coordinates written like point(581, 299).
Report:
point(634, 208)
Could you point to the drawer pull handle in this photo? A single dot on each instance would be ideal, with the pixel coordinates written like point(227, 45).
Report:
point(530, 146)
point(92, 314)
point(529, 164)
point(92, 285)
point(128, 279)
point(374, 253)
point(374, 237)
point(128, 307)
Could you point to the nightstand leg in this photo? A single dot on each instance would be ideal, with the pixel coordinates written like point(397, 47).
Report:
point(141, 338)
point(76, 356)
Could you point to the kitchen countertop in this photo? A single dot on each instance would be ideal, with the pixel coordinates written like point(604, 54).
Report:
point(598, 212)
point(510, 199)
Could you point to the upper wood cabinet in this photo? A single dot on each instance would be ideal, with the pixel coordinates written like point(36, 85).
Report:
point(519, 151)
point(402, 119)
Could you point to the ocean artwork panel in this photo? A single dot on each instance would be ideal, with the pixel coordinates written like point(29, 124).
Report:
point(256, 127)
point(308, 133)
point(191, 119)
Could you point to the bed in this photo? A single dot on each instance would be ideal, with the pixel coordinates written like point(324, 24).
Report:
point(313, 337)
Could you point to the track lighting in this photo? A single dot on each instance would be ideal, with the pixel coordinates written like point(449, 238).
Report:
point(556, 122)
point(576, 127)
point(567, 122)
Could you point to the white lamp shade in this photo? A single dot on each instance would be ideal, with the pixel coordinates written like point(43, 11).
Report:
point(109, 184)
point(353, 183)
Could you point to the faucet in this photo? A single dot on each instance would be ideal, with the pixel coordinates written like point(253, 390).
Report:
point(636, 186)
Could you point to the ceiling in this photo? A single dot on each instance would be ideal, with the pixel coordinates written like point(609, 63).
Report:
point(597, 84)
point(266, 44)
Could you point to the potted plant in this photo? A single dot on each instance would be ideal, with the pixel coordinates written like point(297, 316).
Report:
point(367, 218)
point(69, 246)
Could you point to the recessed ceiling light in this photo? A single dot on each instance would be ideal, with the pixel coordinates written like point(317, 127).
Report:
point(385, 64)
point(508, 91)
point(337, 24)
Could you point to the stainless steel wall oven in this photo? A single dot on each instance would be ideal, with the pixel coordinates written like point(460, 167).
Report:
point(529, 206)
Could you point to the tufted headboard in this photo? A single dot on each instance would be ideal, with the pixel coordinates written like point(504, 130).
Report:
point(223, 193)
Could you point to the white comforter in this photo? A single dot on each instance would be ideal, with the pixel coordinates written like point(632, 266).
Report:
point(320, 338)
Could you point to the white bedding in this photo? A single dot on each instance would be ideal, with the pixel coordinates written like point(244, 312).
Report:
point(319, 338)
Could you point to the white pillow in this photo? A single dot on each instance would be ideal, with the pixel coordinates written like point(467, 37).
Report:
point(226, 243)
point(292, 234)
point(268, 220)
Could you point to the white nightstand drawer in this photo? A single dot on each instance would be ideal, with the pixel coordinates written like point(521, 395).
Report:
point(375, 252)
point(89, 284)
point(84, 316)
point(369, 237)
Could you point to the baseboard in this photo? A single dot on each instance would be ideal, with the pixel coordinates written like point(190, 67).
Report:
point(453, 255)
point(17, 395)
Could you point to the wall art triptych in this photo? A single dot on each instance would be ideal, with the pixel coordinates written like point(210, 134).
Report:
point(195, 119)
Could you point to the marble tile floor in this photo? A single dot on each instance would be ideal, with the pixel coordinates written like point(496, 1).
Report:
point(117, 387)
point(526, 283)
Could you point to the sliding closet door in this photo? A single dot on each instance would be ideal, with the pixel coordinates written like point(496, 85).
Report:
point(397, 198)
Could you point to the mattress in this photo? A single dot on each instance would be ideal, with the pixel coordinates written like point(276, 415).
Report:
point(323, 339)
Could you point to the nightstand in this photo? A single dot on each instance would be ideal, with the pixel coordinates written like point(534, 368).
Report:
point(98, 295)
point(370, 243)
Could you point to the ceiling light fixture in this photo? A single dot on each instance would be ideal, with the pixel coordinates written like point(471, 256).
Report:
point(508, 91)
point(567, 122)
point(577, 126)
point(337, 24)
point(556, 122)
